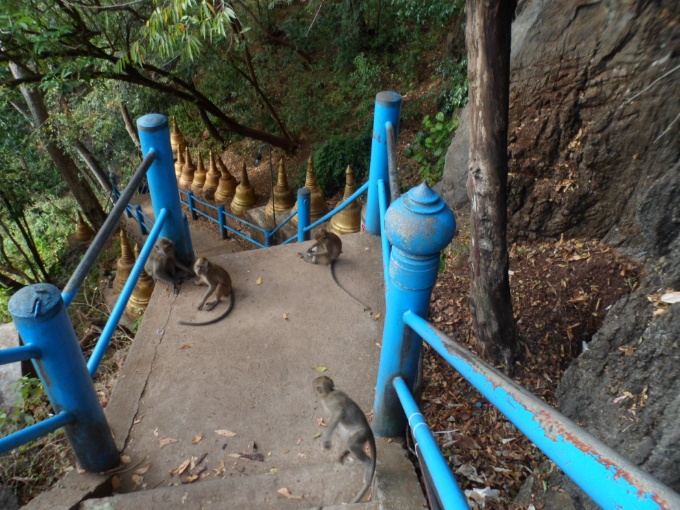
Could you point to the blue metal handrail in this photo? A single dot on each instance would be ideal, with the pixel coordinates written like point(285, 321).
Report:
point(610, 479)
point(450, 493)
point(419, 226)
point(81, 272)
point(119, 308)
point(40, 314)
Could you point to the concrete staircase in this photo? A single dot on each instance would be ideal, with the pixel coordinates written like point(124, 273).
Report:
point(236, 397)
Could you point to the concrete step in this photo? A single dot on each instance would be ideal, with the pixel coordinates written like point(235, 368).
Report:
point(330, 485)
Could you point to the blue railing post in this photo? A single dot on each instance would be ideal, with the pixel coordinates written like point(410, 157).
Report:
point(192, 205)
point(222, 221)
point(140, 220)
point(387, 108)
point(41, 318)
point(419, 225)
point(303, 204)
point(155, 135)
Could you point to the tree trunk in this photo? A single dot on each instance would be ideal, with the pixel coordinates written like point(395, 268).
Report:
point(10, 283)
point(130, 126)
point(69, 170)
point(94, 166)
point(17, 216)
point(488, 41)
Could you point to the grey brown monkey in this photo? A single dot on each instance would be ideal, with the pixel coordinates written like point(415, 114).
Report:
point(219, 283)
point(326, 250)
point(352, 425)
point(162, 264)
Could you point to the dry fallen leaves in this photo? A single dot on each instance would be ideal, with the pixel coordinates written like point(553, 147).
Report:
point(136, 479)
point(165, 441)
point(197, 438)
point(285, 316)
point(181, 468)
point(187, 346)
point(225, 432)
point(125, 459)
point(115, 482)
point(259, 281)
point(286, 493)
point(143, 469)
point(320, 368)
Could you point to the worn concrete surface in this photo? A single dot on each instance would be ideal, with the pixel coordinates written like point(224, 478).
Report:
point(10, 373)
point(250, 374)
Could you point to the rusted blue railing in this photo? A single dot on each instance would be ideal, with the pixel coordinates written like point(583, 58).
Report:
point(40, 313)
point(418, 226)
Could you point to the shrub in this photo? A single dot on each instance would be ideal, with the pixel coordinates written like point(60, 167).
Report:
point(430, 145)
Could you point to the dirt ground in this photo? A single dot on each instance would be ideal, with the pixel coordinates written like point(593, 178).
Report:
point(561, 292)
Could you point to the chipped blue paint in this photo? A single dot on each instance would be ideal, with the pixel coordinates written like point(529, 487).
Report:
point(611, 480)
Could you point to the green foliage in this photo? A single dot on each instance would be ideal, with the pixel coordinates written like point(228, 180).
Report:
point(365, 79)
point(31, 406)
point(181, 28)
point(332, 158)
point(427, 12)
point(430, 146)
point(455, 93)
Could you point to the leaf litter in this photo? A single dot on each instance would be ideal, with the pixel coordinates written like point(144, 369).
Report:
point(561, 291)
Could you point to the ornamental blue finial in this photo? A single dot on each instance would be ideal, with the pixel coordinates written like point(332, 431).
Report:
point(420, 222)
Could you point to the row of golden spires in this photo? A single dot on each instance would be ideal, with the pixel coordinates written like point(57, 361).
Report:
point(219, 185)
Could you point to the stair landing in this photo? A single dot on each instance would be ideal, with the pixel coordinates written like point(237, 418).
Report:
point(237, 395)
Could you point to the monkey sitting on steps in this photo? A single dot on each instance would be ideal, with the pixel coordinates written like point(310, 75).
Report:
point(162, 264)
point(219, 282)
point(326, 250)
point(352, 425)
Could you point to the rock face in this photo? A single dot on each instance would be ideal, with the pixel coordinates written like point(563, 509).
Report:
point(594, 150)
point(593, 115)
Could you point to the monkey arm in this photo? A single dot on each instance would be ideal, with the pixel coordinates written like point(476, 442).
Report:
point(332, 425)
point(211, 289)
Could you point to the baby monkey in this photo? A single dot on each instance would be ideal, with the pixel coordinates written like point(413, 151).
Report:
point(219, 283)
point(352, 425)
point(326, 250)
point(162, 264)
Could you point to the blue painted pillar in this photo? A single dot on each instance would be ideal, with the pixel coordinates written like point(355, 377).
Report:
point(41, 318)
point(419, 225)
point(154, 134)
point(303, 205)
point(387, 108)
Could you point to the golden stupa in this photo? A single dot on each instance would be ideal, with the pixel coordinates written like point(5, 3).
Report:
point(199, 176)
point(317, 204)
point(348, 220)
point(141, 294)
point(212, 179)
point(188, 170)
point(283, 197)
point(124, 263)
point(226, 189)
point(244, 198)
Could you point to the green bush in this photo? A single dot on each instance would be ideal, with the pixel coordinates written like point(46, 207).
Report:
point(455, 93)
point(331, 160)
point(430, 146)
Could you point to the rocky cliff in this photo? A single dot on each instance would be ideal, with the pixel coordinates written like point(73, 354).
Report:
point(594, 149)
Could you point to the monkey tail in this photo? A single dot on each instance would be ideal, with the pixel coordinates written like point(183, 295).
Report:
point(335, 279)
point(216, 319)
point(370, 470)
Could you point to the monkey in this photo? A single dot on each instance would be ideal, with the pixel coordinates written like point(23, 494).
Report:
point(326, 250)
point(163, 265)
point(219, 283)
point(352, 425)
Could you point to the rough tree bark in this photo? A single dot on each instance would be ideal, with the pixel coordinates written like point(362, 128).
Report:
point(81, 190)
point(488, 41)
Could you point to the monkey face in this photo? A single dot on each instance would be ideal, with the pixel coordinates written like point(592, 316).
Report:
point(323, 385)
point(201, 266)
